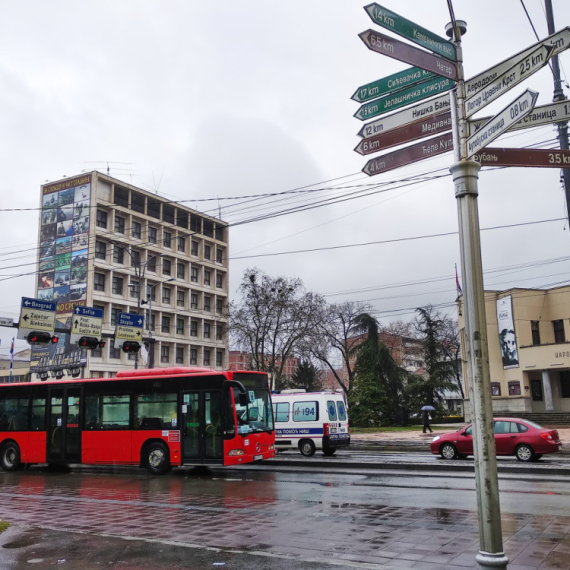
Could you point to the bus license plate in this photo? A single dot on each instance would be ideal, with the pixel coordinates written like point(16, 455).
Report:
point(257, 457)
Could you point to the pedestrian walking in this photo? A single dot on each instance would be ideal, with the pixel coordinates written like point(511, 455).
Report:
point(426, 418)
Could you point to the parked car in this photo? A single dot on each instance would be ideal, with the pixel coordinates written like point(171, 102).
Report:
point(524, 439)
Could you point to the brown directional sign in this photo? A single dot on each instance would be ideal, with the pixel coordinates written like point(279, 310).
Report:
point(431, 126)
point(533, 157)
point(408, 54)
point(410, 154)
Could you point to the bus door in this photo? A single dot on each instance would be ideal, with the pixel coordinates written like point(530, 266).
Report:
point(64, 435)
point(202, 426)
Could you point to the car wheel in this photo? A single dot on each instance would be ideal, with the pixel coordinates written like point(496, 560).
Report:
point(157, 459)
point(537, 456)
point(307, 447)
point(10, 457)
point(525, 453)
point(328, 451)
point(448, 451)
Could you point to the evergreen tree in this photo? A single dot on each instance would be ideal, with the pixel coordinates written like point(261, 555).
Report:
point(307, 377)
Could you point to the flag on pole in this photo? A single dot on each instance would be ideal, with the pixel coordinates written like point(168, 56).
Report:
point(459, 291)
point(11, 358)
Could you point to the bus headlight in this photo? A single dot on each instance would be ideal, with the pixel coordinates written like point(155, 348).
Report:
point(236, 452)
point(272, 447)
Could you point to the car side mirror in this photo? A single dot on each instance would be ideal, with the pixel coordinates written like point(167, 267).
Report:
point(463, 432)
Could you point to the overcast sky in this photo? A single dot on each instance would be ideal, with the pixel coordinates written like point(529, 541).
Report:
point(200, 100)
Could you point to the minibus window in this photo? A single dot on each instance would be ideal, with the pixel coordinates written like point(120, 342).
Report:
point(332, 411)
point(341, 411)
point(305, 411)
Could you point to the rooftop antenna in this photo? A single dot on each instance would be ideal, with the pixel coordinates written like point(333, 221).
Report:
point(106, 162)
point(219, 208)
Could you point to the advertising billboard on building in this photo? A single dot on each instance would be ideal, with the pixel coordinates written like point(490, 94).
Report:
point(507, 337)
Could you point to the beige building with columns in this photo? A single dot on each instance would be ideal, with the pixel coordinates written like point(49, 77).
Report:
point(528, 332)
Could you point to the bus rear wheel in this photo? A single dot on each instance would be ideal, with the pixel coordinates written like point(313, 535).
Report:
point(329, 451)
point(10, 456)
point(157, 459)
point(307, 447)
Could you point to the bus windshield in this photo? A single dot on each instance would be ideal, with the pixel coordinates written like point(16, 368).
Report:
point(256, 415)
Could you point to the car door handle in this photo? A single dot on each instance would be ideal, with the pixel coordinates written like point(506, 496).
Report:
point(513, 436)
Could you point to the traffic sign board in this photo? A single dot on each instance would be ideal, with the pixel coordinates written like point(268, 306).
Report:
point(391, 84)
point(542, 115)
point(424, 110)
point(36, 315)
point(559, 42)
point(513, 76)
point(430, 126)
point(86, 321)
point(501, 122)
point(403, 98)
point(5, 322)
point(408, 54)
point(407, 29)
point(129, 327)
point(409, 155)
point(525, 157)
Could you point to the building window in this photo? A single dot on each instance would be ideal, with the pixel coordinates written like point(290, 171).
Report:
point(207, 252)
point(194, 275)
point(495, 389)
point(180, 271)
point(99, 282)
point(206, 357)
point(219, 306)
point(193, 356)
point(167, 239)
point(535, 332)
point(100, 250)
point(119, 254)
point(134, 288)
point(207, 303)
point(165, 354)
point(179, 355)
point(117, 285)
point(179, 326)
point(219, 255)
point(135, 258)
point(564, 383)
point(166, 295)
point(558, 327)
point(514, 388)
point(151, 291)
point(119, 225)
point(165, 324)
point(193, 328)
point(101, 219)
point(114, 316)
point(207, 330)
point(151, 263)
point(207, 275)
point(194, 301)
point(152, 324)
point(181, 244)
point(194, 250)
point(151, 234)
point(180, 299)
point(136, 230)
point(166, 267)
point(219, 358)
point(219, 281)
point(219, 332)
point(114, 352)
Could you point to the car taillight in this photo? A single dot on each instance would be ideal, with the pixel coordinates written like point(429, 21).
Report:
point(550, 435)
point(325, 429)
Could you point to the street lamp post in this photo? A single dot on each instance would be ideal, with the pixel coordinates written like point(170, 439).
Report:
point(148, 302)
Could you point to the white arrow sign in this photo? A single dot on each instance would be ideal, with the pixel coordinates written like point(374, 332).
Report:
point(513, 76)
point(518, 109)
point(559, 40)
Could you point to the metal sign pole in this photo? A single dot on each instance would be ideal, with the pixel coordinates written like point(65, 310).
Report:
point(465, 176)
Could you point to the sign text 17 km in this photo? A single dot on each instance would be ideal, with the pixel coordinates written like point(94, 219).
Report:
point(391, 84)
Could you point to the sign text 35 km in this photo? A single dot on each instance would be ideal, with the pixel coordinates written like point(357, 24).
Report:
point(524, 157)
point(408, 54)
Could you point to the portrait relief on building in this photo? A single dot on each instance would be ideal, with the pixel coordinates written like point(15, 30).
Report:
point(507, 337)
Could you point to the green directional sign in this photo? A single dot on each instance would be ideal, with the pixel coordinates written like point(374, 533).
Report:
point(391, 84)
point(403, 98)
point(407, 29)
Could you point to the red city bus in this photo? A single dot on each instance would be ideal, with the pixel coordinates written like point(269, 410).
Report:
point(156, 418)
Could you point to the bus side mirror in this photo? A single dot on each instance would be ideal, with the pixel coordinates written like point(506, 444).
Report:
point(243, 399)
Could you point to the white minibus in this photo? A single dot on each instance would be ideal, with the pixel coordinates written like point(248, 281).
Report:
point(310, 421)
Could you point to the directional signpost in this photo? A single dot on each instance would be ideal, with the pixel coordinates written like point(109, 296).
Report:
point(408, 54)
point(36, 315)
point(86, 321)
point(129, 328)
point(6, 322)
point(501, 122)
point(524, 157)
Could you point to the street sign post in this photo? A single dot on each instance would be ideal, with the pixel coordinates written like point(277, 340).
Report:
point(541, 115)
point(403, 98)
point(410, 154)
point(513, 76)
point(407, 116)
point(430, 126)
point(408, 54)
point(524, 157)
point(36, 315)
point(501, 122)
point(391, 84)
point(407, 29)
point(129, 328)
point(86, 321)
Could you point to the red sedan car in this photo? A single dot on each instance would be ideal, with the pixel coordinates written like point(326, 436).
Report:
point(524, 439)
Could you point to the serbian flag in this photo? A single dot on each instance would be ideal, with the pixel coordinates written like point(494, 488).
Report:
point(459, 291)
point(11, 358)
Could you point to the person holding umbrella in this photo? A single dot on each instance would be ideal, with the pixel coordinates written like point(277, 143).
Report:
point(426, 417)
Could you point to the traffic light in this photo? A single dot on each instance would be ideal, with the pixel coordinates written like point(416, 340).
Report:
point(90, 342)
point(36, 337)
point(131, 347)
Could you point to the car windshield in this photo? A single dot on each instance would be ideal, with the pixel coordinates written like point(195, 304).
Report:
point(257, 414)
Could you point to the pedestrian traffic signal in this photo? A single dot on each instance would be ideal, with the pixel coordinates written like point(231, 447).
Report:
point(38, 337)
point(90, 342)
point(131, 347)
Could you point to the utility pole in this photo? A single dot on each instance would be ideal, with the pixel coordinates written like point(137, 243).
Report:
point(559, 96)
point(465, 177)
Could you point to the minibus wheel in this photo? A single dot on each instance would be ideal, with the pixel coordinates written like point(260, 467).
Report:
point(328, 451)
point(10, 456)
point(157, 459)
point(307, 447)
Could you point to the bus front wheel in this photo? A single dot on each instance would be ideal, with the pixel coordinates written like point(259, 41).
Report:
point(157, 459)
point(307, 447)
point(10, 456)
